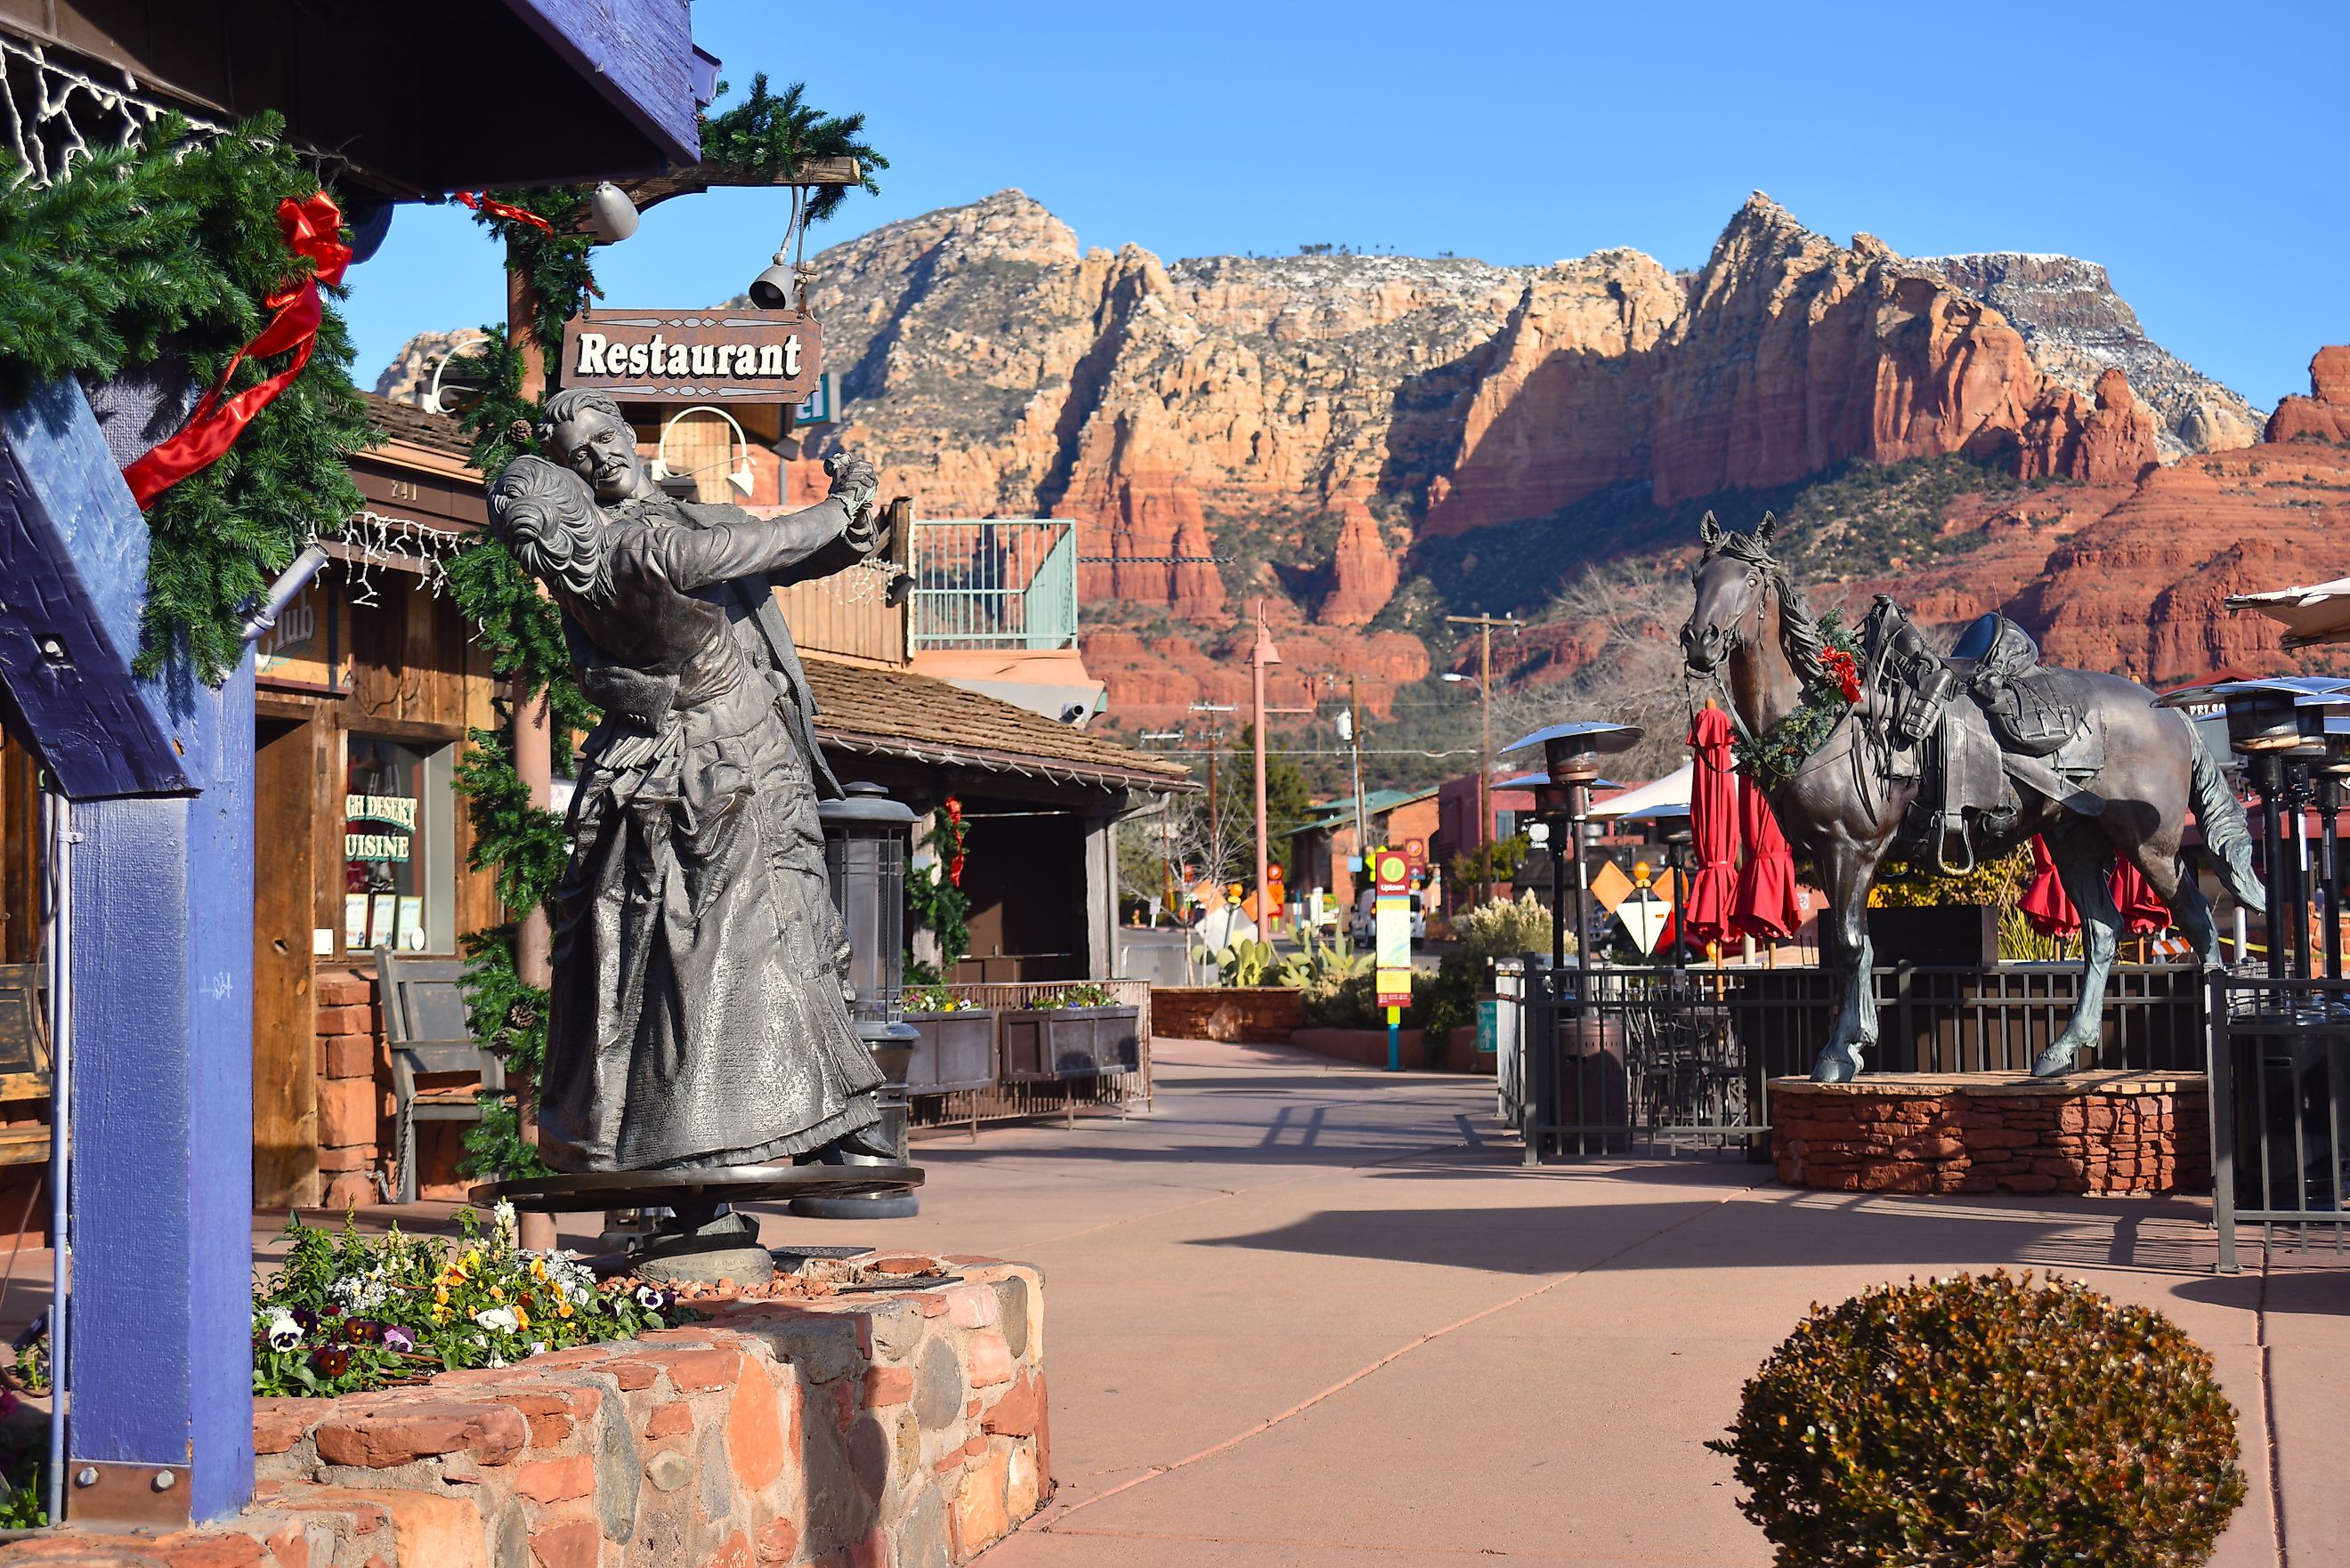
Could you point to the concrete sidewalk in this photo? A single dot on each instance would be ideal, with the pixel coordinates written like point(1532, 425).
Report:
point(1312, 1315)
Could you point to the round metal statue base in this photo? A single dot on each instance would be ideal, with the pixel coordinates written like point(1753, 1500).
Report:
point(857, 1206)
point(705, 1242)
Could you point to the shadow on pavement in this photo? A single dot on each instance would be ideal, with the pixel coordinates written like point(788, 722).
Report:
point(1864, 1232)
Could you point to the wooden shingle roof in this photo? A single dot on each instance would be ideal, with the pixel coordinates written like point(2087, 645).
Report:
point(406, 421)
point(896, 713)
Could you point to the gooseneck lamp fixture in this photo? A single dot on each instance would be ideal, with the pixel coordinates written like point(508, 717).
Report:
point(780, 286)
point(740, 478)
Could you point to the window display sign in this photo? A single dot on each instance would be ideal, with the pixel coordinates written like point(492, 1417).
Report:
point(723, 356)
point(383, 903)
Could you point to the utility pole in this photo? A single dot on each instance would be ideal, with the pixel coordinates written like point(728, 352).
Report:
point(1215, 711)
point(1350, 729)
point(1484, 625)
point(1261, 654)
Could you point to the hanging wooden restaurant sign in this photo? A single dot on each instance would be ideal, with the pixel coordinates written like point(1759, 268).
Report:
point(725, 356)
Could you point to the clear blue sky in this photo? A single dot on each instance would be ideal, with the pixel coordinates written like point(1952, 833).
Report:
point(2197, 152)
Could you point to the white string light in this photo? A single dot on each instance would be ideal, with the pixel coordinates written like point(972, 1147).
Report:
point(44, 130)
point(380, 541)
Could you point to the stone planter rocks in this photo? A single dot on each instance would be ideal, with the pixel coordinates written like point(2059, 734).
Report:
point(1039, 1044)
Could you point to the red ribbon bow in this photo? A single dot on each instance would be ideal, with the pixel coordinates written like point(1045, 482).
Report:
point(311, 229)
point(481, 202)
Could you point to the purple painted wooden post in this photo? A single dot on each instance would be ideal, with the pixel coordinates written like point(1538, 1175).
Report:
point(160, 774)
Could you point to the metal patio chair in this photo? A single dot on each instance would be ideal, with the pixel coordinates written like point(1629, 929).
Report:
point(426, 1030)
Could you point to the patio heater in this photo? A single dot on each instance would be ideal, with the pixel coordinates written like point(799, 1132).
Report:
point(866, 837)
point(2284, 729)
point(1571, 755)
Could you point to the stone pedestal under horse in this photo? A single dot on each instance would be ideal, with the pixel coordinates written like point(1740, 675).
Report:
point(1944, 761)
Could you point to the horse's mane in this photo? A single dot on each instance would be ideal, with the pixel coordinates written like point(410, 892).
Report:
point(1799, 629)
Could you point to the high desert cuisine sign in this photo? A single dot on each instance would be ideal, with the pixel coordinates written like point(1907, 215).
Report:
point(725, 356)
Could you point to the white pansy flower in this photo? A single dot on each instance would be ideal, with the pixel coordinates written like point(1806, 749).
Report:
point(284, 1333)
point(499, 1319)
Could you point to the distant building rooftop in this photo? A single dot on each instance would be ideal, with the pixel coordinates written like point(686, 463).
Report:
point(894, 713)
point(406, 421)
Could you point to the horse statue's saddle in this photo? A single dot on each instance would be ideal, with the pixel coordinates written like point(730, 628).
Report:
point(1963, 764)
point(2030, 709)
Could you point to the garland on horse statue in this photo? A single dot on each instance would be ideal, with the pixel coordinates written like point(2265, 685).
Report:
point(1872, 747)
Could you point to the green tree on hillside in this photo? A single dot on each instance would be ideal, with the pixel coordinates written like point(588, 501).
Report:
point(1287, 802)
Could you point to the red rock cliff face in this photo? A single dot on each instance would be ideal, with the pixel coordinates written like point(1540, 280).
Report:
point(1274, 410)
point(2325, 414)
point(2139, 590)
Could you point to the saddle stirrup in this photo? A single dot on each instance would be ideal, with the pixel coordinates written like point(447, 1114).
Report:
point(1943, 834)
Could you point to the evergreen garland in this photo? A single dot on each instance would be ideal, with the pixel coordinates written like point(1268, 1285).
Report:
point(762, 139)
point(160, 255)
point(1773, 758)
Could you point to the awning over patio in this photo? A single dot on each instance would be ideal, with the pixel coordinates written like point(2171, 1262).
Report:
point(2319, 613)
point(1666, 797)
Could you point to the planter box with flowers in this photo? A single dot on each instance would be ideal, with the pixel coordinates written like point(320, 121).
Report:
point(1077, 1033)
point(352, 1313)
point(954, 1045)
point(471, 1402)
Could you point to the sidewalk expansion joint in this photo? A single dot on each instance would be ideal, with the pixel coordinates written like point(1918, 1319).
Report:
point(1051, 1525)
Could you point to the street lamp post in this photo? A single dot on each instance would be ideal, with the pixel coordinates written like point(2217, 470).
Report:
point(1261, 655)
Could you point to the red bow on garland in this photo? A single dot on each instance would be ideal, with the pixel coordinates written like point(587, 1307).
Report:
point(1844, 671)
point(310, 229)
point(482, 203)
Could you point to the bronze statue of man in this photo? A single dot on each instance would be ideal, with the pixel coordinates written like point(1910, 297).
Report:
point(698, 1016)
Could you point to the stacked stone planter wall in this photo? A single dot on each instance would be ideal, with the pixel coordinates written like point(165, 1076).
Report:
point(2104, 1133)
point(1257, 1014)
point(1369, 1047)
point(862, 1430)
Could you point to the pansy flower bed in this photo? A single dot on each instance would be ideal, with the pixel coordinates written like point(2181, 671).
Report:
point(349, 1313)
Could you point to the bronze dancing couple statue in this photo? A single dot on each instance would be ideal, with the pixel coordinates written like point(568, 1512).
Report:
point(699, 1021)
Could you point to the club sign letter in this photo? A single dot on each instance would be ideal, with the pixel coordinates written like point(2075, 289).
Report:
point(724, 355)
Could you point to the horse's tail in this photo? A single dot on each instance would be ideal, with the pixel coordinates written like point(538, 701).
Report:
point(2225, 831)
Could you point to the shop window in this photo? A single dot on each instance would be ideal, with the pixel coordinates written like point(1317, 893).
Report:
point(399, 859)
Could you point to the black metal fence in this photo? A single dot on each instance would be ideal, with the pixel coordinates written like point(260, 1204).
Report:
point(1679, 1059)
point(2278, 1121)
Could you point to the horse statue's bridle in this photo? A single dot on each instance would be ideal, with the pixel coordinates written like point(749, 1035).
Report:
point(1705, 656)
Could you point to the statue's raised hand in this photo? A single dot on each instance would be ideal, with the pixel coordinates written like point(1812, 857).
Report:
point(854, 483)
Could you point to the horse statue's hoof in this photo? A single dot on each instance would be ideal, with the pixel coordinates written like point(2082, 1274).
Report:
point(1837, 1064)
point(2053, 1062)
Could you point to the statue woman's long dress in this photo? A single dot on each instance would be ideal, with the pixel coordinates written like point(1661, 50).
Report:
point(698, 1017)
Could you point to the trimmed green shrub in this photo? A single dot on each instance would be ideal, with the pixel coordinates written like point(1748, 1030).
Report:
point(1987, 1420)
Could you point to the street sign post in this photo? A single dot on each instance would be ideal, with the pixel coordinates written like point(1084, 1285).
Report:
point(1392, 942)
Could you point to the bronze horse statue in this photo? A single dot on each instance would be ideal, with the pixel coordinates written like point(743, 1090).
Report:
point(1979, 753)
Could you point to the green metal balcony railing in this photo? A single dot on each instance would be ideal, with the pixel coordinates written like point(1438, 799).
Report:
point(994, 583)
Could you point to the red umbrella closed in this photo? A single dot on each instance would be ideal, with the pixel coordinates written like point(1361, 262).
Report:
point(1708, 910)
point(2142, 913)
point(2045, 903)
point(2050, 909)
point(1765, 905)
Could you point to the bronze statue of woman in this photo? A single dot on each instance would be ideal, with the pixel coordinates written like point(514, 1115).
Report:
point(698, 1017)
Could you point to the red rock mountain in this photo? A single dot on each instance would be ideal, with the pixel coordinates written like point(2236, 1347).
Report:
point(1321, 420)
